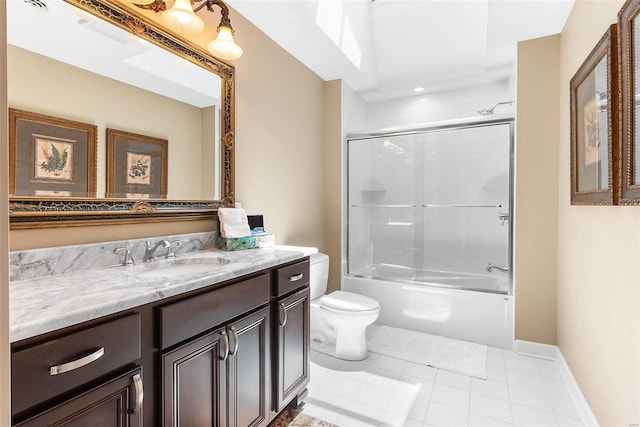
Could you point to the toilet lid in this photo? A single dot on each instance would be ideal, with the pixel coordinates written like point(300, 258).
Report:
point(348, 301)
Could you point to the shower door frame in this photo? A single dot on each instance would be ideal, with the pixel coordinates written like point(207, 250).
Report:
point(429, 128)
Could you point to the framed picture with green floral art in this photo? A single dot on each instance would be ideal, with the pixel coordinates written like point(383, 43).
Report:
point(136, 166)
point(595, 125)
point(50, 156)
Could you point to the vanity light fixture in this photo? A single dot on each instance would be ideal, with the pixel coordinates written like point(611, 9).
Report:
point(182, 18)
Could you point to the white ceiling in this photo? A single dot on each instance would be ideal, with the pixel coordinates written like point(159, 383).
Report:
point(385, 48)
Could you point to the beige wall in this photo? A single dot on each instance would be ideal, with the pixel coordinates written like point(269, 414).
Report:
point(5, 400)
point(333, 180)
point(279, 139)
point(598, 253)
point(535, 259)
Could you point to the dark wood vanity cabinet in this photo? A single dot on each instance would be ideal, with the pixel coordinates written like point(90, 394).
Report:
point(85, 377)
point(232, 354)
point(291, 334)
point(117, 402)
point(194, 379)
point(221, 379)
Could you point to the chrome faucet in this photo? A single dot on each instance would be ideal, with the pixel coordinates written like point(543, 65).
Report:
point(170, 253)
point(149, 251)
point(490, 267)
point(128, 259)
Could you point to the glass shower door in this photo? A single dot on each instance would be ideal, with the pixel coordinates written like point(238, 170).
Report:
point(466, 204)
point(385, 221)
point(432, 207)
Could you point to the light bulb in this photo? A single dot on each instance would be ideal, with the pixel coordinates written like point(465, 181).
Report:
point(181, 18)
point(223, 46)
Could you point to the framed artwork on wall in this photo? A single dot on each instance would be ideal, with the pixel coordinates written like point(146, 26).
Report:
point(50, 156)
point(595, 126)
point(629, 23)
point(136, 165)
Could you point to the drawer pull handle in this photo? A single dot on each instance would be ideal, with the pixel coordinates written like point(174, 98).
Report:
point(137, 384)
point(296, 277)
point(226, 346)
point(235, 339)
point(284, 308)
point(79, 363)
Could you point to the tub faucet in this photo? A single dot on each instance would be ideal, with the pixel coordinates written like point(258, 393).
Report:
point(150, 250)
point(490, 268)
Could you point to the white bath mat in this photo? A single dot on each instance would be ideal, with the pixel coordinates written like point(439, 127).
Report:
point(440, 352)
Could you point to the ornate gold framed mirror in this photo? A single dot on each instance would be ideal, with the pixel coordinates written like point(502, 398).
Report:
point(200, 177)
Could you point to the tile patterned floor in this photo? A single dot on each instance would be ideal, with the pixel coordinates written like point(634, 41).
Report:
point(384, 391)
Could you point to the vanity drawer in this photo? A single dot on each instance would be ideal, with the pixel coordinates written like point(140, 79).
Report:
point(189, 317)
point(292, 277)
point(43, 371)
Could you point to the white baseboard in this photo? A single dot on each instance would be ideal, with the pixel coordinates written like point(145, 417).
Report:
point(578, 398)
point(552, 352)
point(536, 349)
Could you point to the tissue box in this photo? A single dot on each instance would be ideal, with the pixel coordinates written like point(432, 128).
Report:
point(237, 243)
point(256, 240)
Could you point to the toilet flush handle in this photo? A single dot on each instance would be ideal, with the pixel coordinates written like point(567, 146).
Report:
point(284, 309)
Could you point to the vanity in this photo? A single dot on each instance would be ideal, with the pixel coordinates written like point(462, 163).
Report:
point(205, 338)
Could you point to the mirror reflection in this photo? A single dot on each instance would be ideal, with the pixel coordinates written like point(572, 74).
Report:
point(87, 70)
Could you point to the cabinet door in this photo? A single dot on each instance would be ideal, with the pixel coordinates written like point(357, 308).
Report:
point(249, 376)
point(292, 337)
point(194, 382)
point(117, 403)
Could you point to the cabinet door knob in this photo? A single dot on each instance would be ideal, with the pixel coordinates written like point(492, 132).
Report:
point(235, 339)
point(78, 363)
point(296, 277)
point(137, 385)
point(226, 346)
point(284, 309)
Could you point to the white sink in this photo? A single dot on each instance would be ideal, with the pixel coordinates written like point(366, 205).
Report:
point(176, 268)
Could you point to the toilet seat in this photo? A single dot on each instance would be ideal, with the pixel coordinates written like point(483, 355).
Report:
point(349, 303)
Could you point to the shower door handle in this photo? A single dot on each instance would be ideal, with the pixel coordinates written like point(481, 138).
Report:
point(503, 216)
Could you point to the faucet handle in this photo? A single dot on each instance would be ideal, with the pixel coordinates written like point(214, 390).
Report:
point(128, 259)
point(170, 253)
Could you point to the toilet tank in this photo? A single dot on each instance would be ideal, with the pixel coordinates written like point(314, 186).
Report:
point(318, 274)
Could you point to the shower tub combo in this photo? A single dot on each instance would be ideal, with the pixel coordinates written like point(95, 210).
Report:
point(429, 228)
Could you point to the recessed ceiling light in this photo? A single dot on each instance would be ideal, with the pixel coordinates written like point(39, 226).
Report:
point(418, 89)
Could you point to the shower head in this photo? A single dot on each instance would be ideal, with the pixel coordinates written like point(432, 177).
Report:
point(489, 111)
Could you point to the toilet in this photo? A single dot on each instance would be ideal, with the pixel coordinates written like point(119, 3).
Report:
point(339, 320)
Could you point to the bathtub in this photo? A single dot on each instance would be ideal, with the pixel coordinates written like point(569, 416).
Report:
point(439, 306)
point(496, 282)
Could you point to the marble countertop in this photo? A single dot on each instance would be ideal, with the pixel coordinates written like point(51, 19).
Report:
point(48, 303)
